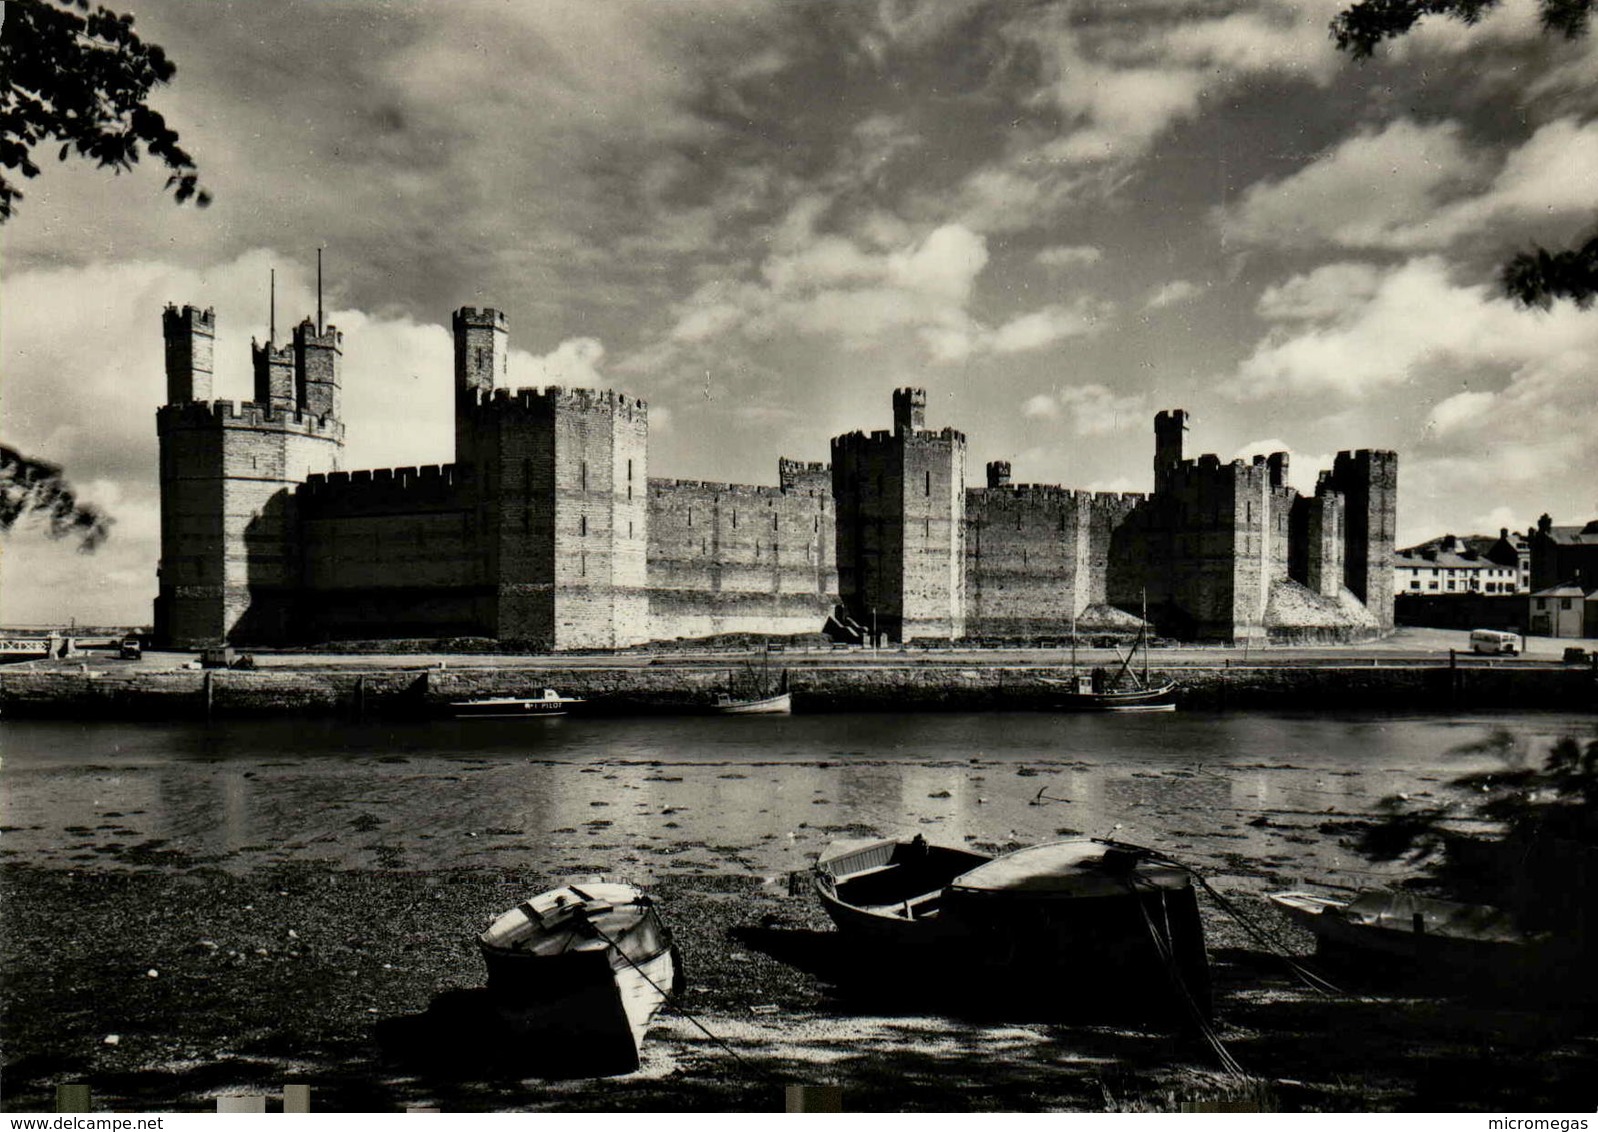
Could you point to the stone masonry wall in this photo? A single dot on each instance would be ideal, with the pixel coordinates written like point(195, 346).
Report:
point(932, 506)
point(1027, 551)
point(390, 552)
point(731, 558)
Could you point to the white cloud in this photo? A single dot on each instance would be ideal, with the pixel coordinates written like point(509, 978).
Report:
point(572, 364)
point(1070, 255)
point(1460, 411)
point(1433, 190)
point(1486, 402)
point(1041, 407)
point(1331, 201)
point(1091, 410)
point(1326, 292)
point(1170, 294)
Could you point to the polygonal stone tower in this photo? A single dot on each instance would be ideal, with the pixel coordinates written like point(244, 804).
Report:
point(229, 543)
point(901, 525)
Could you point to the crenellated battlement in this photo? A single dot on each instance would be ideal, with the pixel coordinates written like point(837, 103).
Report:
point(329, 337)
point(191, 317)
point(429, 487)
point(283, 355)
point(713, 489)
point(1016, 495)
point(487, 318)
point(246, 414)
point(549, 398)
point(922, 438)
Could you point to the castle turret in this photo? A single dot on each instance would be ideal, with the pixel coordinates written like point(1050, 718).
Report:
point(275, 379)
point(482, 353)
point(190, 344)
point(999, 473)
point(317, 355)
point(1168, 430)
point(909, 410)
point(1368, 481)
point(482, 348)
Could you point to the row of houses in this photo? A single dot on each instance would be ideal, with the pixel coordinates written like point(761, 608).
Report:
point(1554, 567)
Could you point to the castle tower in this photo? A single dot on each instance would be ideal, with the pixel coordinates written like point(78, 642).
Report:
point(909, 410)
point(275, 378)
point(559, 482)
point(318, 352)
point(190, 336)
point(1169, 428)
point(1368, 481)
point(482, 354)
point(999, 473)
point(230, 568)
point(901, 525)
point(482, 348)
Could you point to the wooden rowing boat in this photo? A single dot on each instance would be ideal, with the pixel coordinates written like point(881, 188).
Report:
point(578, 972)
point(1075, 923)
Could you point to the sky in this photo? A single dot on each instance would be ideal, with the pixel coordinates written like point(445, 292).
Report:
point(1056, 217)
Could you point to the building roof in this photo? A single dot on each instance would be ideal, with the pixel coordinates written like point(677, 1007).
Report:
point(1568, 589)
point(1575, 536)
point(1418, 556)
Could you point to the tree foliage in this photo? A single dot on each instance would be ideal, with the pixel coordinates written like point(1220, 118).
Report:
point(81, 77)
point(1361, 27)
point(1521, 803)
point(33, 488)
point(1538, 277)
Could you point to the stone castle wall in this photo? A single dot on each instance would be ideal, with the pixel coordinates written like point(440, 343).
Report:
point(393, 551)
point(731, 558)
point(548, 531)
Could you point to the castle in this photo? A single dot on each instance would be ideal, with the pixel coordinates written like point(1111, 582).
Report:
point(549, 532)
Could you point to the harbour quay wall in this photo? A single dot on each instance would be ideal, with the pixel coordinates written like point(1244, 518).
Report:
point(89, 693)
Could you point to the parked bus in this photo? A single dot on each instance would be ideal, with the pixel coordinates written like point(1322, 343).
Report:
point(1494, 641)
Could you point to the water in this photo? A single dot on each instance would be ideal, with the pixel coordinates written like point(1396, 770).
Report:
point(642, 797)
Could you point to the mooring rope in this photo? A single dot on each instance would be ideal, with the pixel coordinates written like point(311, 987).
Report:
point(676, 1005)
point(1163, 947)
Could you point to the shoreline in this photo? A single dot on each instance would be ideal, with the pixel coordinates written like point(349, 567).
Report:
point(218, 983)
point(406, 687)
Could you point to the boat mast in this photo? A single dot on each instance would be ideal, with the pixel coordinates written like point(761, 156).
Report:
point(1073, 642)
point(1141, 632)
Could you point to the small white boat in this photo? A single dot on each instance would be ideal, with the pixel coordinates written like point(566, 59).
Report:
point(728, 704)
point(1417, 930)
point(580, 970)
point(514, 707)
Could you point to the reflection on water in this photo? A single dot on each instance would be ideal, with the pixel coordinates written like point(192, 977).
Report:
point(645, 796)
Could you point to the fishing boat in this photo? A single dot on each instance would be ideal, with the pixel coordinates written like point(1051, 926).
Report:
point(1093, 692)
point(756, 694)
point(1122, 691)
point(579, 971)
point(1078, 923)
point(1414, 931)
point(514, 707)
point(728, 704)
